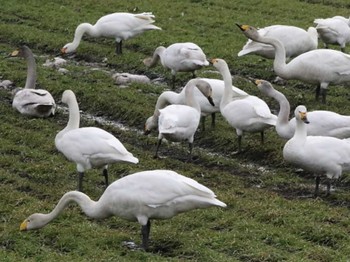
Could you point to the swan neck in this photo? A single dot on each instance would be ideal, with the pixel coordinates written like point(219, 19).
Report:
point(80, 31)
point(228, 92)
point(74, 115)
point(89, 207)
point(31, 71)
point(158, 54)
point(283, 114)
point(300, 131)
point(190, 100)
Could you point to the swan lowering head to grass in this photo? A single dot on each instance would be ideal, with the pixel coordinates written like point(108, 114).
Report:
point(180, 122)
point(178, 57)
point(322, 122)
point(170, 97)
point(88, 147)
point(319, 66)
point(321, 155)
point(245, 113)
point(28, 100)
point(120, 26)
point(142, 196)
point(294, 39)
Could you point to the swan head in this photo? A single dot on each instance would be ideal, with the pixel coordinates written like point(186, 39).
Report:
point(68, 48)
point(249, 31)
point(149, 125)
point(218, 63)
point(300, 113)
point(264, 86)
point(67, 96)
point(34, 221)
point(206, 89)
point(23, 51)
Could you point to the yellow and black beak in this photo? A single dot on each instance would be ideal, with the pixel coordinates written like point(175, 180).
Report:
point(23, 226)
point(303, 117)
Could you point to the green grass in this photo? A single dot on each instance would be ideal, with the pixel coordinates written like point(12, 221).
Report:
point(268, 217)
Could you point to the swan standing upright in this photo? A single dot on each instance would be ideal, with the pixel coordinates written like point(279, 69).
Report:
point(245, 113)
point(294, 39)
point(178, 57)
point(322, 122)
point(180, 122)
point(30, 101)
point(120, 26)
point(333, 31)
point(321, 155)
point(142, 196)
point(170, 97)
point(88, 147)
point(320, 66)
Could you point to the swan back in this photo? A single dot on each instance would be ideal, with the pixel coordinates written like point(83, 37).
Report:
point(295, 40)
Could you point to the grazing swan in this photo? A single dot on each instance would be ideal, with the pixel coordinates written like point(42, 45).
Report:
point(180, 122)
point(88, 147)
point(294, 39)
point(178, 57)
point(245, 113)
point(333, 31)
point(120, 26)
point(142, 196)
point(322, 123)
point(170, 97)
point(320, 66)
point(30, 101)
point(321, 155)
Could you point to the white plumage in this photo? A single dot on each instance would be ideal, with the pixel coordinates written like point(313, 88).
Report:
point(322, 122)
point(294, 39)
point(178, 57)
point(120, 26)
point(320, 66)
point(245, 113)
point(142, 196)
point(28, 100)
point(333, 31)
point(169, 97)
point(180, 122)
point(88, 147)
point(321, 155)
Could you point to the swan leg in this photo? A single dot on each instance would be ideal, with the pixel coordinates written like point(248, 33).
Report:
point(212, 120)
point(105, 174)
point(80, 181)
point(203, 122)
point(190, 147)
point(158, 145)
point(317, 93)
point(173, 82)
point(328, 187)
point(145, 234)
point(324, 94)
point(239, 143)
point(317, 185)
point(118, 48)
point(262, 137)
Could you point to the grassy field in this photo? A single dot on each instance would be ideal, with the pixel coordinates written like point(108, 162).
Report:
point(270, 216)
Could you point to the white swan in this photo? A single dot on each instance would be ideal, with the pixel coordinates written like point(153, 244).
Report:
point(321, 155)
point(320, 66)
point(180, 122)
point(28, 100)
point(120, 26)
point(170, 97)
point(88, 147)
point(178, 57)
point(245, 113)
point(322, 122)
point(333, 31)
point(344, 19)
point(294, 39)
point(142, 196)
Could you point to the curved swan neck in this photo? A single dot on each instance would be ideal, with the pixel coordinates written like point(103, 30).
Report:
point(228, 92)
point(189, 94)
point(283, 114)
point(91, 208)
point(74, 114)
point(80, 31)
point(279, 64)
point(157, 54)
point(31, 69)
